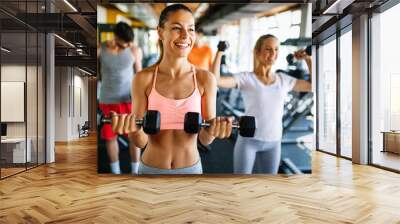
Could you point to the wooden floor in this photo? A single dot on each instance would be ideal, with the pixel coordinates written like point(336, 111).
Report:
point(5, 172)
point(71, 191)
point(387, 159)
point(10, 171)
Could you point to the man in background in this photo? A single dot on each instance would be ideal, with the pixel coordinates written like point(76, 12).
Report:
point(118, 59)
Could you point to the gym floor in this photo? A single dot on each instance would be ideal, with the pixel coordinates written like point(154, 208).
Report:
point(71, 191)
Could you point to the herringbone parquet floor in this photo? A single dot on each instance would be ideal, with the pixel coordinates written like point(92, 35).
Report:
point(71, 191)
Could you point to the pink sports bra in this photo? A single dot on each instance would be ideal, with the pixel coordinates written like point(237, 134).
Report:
point(173, 111)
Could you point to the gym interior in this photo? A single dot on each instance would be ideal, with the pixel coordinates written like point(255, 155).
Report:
point(217, 158)
point(340, 160)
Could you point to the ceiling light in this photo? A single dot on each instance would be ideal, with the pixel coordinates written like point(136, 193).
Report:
point(70, 5)
point(64, 40)
point(122, 7)
point(200, 10)
point(5, 50)
point(337, 7)
point(331, 7)
point(86, 72)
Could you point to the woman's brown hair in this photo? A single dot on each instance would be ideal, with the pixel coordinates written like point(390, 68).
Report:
point(164, 17)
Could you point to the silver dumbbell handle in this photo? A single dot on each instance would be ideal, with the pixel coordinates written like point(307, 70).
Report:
point(206, 125)
point(108, 121)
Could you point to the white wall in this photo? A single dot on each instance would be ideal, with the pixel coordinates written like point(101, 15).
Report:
point(79, 117)
point(61, 103)
point(13, 73)
point(33, 127)
point(70, 84)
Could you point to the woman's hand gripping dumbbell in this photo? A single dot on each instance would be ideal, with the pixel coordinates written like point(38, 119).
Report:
point(220, 127)
point(127, 123)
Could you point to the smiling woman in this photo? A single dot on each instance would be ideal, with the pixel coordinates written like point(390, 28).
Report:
point(173, 87)
point(263, 86)
point(181, 24)
point(179, 77)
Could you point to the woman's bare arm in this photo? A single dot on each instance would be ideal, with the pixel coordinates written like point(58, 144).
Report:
point(208, 104)
point(303, 85)
point(139, 105)
point(125, 123)
point(226, 81)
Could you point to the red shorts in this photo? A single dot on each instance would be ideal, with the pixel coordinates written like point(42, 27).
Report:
point(106, 132)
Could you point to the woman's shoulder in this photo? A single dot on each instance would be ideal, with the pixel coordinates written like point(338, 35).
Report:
point(245, 76)
point(146, 74)
point(285, 80)
point(148, 69)
point(205, 78)
point(282, 76)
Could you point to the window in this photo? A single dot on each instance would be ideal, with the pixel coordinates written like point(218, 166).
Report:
point(296, 22)
point(385, 87)
point(296, 17)
point(22, 64)
point(346, 94)
point(327, 96)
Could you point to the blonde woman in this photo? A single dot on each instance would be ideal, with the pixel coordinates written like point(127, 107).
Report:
point(263, 94)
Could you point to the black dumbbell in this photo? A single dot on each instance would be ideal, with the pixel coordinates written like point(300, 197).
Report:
point(309, 50)
point(223, 45)
point(193, 123)
point(150, 122)
point(290, 57)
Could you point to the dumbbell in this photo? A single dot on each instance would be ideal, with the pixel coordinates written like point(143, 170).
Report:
point(150, 122)
point(193, 123)
point(308, 50)
point(290, 57)
point(223, 45)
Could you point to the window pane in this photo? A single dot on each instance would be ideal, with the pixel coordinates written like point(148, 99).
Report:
point(296, 17)
point(31, 99)
point(346, 93)
point(295, 32)
point(15, 150)
point(385, 88)
point(327, 97)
